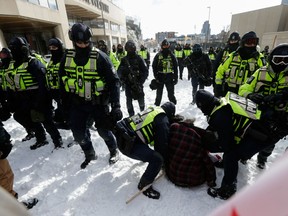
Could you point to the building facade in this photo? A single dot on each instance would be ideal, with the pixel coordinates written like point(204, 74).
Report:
point(270, 24)
point(39, 20)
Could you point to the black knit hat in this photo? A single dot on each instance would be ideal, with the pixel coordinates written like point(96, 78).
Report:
point(205, 101)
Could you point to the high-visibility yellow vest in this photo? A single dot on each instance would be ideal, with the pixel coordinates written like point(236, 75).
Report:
point(52, 75)
point(20, 79)
point(142, 124)
point(83, 81)
point(245, 111)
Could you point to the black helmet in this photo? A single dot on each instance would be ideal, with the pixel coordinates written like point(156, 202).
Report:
point(278, 58)
point(165, 44)
point(234, 36)
point(130, 46)
point(169, 109)
point(56, 42)
point(102, 45)
point(197, 48)
point(205, 101)
point(250, 37)
point(80, 32)
point(19, 47)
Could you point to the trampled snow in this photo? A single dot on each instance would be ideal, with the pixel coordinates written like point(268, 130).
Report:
point(62, 188)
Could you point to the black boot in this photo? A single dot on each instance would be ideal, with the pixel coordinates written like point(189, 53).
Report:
point(89, 155)
point(30, 135)
point(30, 203)
point(150, 191)
point(58, 143)
point(224, 192)
point(114, 156)
point(39, 144)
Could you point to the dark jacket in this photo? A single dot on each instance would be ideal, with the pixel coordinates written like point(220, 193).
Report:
point(158, 69)
point(132, 65)
point(188, 162)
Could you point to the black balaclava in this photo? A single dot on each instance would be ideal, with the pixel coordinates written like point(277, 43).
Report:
point(81, 32)
point(281, 50)
point(56, 54)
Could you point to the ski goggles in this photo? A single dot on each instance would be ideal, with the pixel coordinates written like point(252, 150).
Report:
point(251, 41)
point(280, 59)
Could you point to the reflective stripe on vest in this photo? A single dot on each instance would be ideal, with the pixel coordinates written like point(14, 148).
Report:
point(20, 79)
point(239, 70)
point(142, 124)
point(83, 81)
point(165, 63)
point(245, 111)
point(3, 84)
point(52, 75)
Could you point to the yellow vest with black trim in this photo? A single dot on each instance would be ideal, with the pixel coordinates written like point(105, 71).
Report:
point(20, 79)
point(245, 111)
point(142, 124)
point(212, 56)
point(52, 75)
point(165, 64)
point(83, 81)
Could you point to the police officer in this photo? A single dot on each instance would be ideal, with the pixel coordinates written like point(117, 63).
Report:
point(239, 66)
point(135, 134)
point(179, 54)
point(231, 46)
point(29, 95)
point(165, 70)
point(143, 52)
point(239, 136)
point(91, 84)
point(57, 49)
point(5, 58)
point(120, 52)
point(133, 73)
point(268, 88)
point(102, 45)
point(199, 68)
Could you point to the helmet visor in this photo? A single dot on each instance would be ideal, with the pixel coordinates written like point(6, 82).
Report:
point(280, 59)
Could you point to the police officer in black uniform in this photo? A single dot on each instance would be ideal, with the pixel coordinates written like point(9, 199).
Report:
point(133, 73)
point(57, 49)
point(91, 83)
point(29, 95)
point(165, 70)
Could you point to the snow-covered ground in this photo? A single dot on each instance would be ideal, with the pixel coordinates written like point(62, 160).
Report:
point(102, 189)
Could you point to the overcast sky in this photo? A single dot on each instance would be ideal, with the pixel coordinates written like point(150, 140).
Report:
point(186, 16)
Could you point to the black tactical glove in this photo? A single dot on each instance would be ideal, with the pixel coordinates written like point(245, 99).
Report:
point(256, 97)
point(116, 112)
point(273, 98)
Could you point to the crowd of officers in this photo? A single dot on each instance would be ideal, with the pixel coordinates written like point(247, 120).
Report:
point(80, 87)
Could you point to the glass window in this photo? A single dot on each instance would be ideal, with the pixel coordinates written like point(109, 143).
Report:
point(34, 1)
point(53, 4)
point(44, 3)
